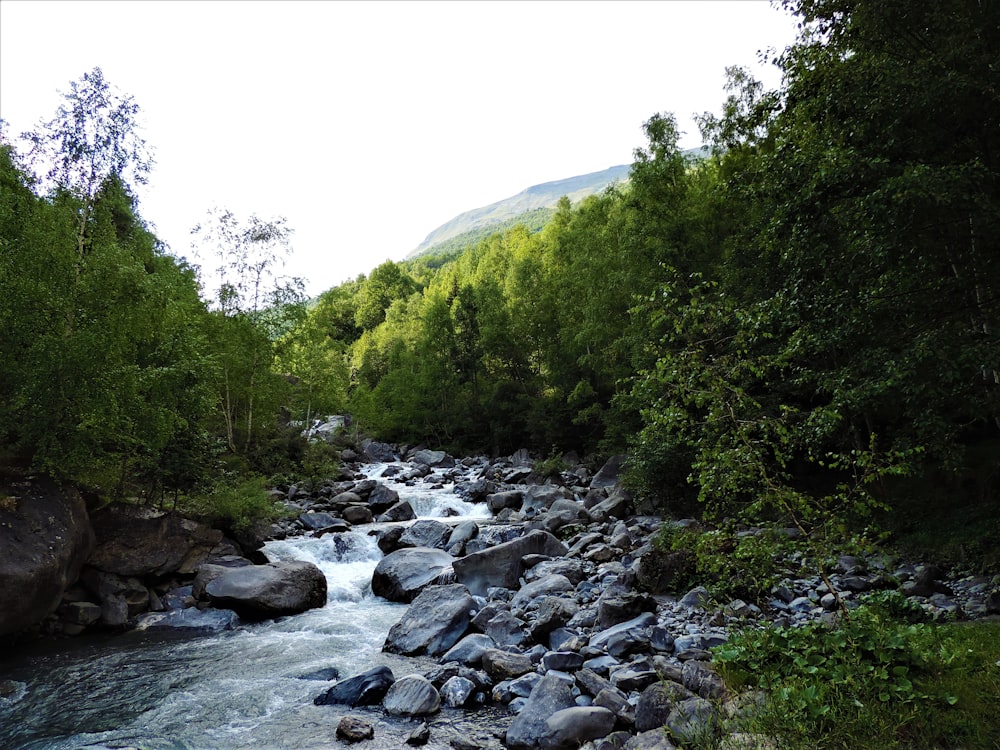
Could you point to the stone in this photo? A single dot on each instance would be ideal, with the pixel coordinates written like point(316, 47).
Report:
point(354, 729)
point(654, 739)
point(569, 728)
point(426, 533)
point(357, 514)
point(263, 591)
point(45, 538)
point(365, 689)
point(419, 736)
point(413, 695)
point(564, 661)
point(547, 586)
point(456, 691)
point(470, 649)
point(550, 695)
point(498, 501)
point(609, 473)
point(132, 541)
point(192, 620)
point(317, 520)
point(634, 628)
point(692, 720)
point(501, 565)
point(504, 665)
point(401, 575)
point(506, 630)
point(401, 511)
point(434, 459)
point(438, 617)
point(381, 498)
point(696, 598)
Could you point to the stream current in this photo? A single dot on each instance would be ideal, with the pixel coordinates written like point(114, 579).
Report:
point(243, 688)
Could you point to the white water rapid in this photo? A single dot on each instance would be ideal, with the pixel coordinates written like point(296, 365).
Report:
point(252, 687)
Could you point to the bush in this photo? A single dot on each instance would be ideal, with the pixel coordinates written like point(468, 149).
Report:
point(236, 505)
point(878, 680)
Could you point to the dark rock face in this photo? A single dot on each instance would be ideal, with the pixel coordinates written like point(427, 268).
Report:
point(426, 533)
point(45, 537)
point(501, 565)
point(435, 622)
point(133, 542)
point(365, 689)
point(262, 591)
point(401, 575)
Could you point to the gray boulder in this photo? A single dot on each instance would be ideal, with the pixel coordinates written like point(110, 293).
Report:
point(426, 533)
point(501, 565)
point(434, 459)
point(435, 622)
point(550, 695)
point(45, 538)
point(609, 474)
point(192, 620)
point(470, 649)
point(569, 728)
point(262, 591)
point(547, 586)
point(401, 575)
point(412, 695)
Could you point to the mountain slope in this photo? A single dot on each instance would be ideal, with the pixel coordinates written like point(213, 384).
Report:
point(542, 196)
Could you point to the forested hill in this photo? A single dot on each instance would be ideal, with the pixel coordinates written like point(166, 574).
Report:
point(544, 196)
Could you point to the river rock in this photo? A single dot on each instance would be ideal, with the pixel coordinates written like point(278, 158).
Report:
point(412, 695)
point(569, 728)
point(401, 511)
point(501, 565)
point(499, 501)
point(375, 452)
point(365, 689)
point(435, 621)
point(547, 586)
point(506, 665)
point(381, 498)
point(45, 538)
point(470, 649)
point(434, 459)
point(134, 541)
point(401, 575)
point(426, 533)
point(190, 620)
point(262, 591)
point(608, 474)
point(354, 729)
point(550, 695)
point(654, 739)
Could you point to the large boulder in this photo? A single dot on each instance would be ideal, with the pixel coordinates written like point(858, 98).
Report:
point(609, 474)
point(502, 565)
point(45, 538)
point(134, 541)
point(262, 591)
point(401, 575)
point(569, 728)
point(434, 459)
point(435, 622)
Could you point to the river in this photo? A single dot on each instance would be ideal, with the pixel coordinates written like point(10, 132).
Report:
point(245, 688)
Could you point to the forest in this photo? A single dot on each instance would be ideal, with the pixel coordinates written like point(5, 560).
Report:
point(801, 326)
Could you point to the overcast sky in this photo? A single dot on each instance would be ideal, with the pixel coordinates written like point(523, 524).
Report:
point(369, 124)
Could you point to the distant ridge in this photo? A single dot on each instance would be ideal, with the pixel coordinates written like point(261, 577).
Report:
point(532, 199)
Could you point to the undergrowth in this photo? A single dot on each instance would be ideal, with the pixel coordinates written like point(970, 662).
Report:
point(884, 678)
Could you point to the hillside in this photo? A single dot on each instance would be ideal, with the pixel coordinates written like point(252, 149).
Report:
point(543, 196)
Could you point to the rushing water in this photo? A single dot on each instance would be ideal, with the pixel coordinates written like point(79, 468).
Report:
point(243, 688)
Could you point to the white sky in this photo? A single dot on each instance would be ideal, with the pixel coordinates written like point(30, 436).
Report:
point(369, 124)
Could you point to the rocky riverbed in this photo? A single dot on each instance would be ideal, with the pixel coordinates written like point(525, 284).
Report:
point(539, 620)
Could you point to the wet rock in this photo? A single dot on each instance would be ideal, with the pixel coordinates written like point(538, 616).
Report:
point(365, 689)
point(190, 620)
point(354, 729)
point(262, 591)
point(435, 622)
point(419, 736)
point(412, 695)
point(381, 498)
point(426, 533)
point(434, 459)
point(457, 691)
point(401, 511)
point(401, 575)
point(547, 586)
